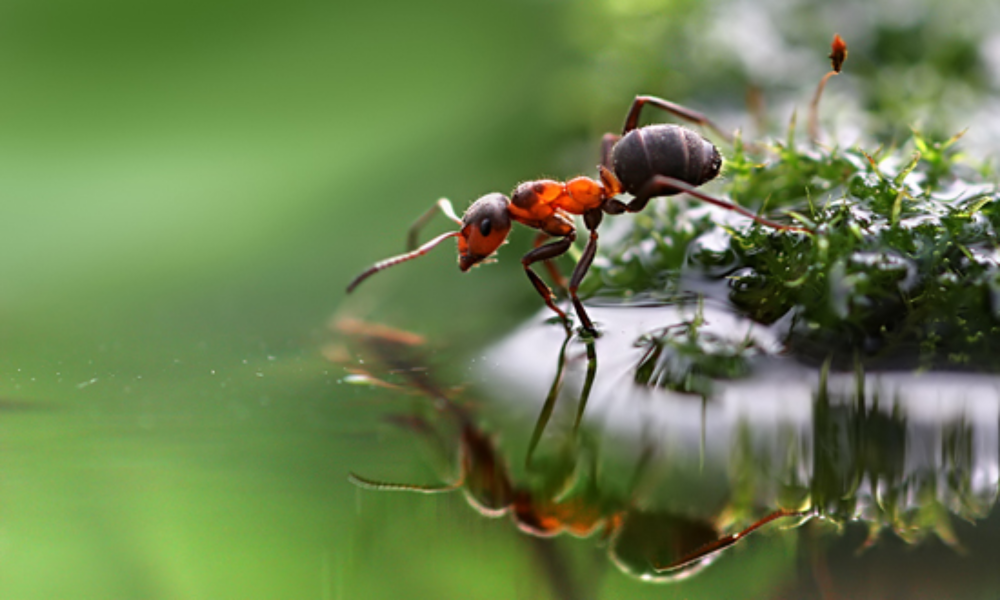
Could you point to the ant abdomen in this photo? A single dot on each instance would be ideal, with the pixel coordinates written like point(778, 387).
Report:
point(669, 150)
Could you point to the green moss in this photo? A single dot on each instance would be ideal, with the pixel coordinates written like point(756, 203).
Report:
point(901, 267)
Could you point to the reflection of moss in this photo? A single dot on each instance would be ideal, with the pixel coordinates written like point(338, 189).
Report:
point(860, 469)
point(686, 359)
point(868, 463)
point(903, 263)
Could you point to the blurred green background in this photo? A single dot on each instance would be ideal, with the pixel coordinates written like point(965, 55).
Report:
point(186, 188)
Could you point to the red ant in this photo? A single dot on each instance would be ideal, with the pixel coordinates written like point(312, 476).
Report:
point(646, 162)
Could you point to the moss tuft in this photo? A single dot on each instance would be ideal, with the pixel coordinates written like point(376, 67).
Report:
point(902, 267)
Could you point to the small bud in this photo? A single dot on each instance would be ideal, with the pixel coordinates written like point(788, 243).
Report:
point(838, 52)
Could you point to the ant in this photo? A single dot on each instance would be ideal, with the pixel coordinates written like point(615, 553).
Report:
point(645, 162)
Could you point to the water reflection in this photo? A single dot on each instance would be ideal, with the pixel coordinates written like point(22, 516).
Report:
point(682, 429)
point(567, 498)
point(897, 450)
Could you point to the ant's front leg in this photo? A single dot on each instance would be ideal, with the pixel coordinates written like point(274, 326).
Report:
point(444, 206)
point(592, 218)
point(661, 185)
point(683, 112)
point(546, 252)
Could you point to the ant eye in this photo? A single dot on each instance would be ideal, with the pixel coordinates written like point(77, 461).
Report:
point(485, 226)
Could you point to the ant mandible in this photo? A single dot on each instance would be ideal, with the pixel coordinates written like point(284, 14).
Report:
point(646, 162)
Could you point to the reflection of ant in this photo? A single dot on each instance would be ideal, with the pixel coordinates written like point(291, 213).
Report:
point(651, 545)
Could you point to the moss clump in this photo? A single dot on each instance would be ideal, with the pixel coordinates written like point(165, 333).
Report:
point(902, 266)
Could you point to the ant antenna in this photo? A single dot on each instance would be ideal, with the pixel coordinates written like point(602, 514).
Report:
point(384, 486)
point(838, 54)
point(395, 260)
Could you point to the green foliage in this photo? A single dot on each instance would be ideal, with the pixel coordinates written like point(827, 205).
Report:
point(901, 266)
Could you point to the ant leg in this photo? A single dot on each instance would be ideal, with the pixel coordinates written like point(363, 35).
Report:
point(683, 112)
point(592, 218)
point(550, 402)
point(614, 206)
point(607, 145)
point(546, 252)
point(588, 382)
point(661, 185)
point(727, 541)
point(444, 206)
point(557, 278)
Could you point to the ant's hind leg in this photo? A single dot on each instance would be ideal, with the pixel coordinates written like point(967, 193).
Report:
point(444, 206)
point(592, 219)
point(727, 541)
point(683, 112)
point(661, 185)
point(547, 252)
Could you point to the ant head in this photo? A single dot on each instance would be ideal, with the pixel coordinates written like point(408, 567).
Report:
point(485, 226)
